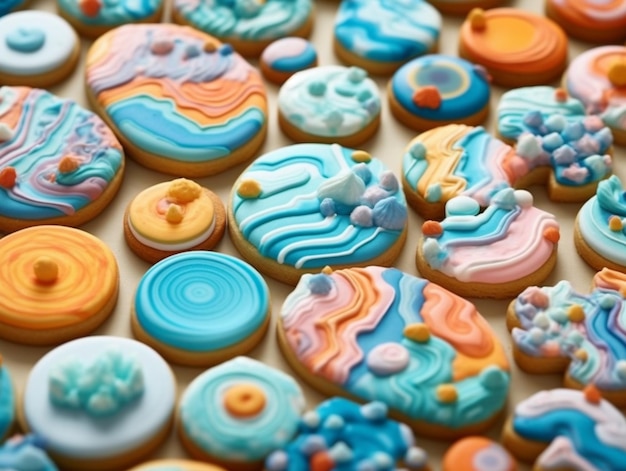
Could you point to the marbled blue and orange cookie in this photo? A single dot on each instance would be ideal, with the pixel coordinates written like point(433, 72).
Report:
point(477, 454)
point(286, 56)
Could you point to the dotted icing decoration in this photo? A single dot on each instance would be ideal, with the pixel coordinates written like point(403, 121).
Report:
point(109, 13)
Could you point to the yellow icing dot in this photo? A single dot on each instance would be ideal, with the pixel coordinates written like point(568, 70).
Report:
point(617, 73)
point(174, 214)
point(327, 270)
point(361, 156)
point(576, 313)
point(210, 46)
point(615, 224)
point(581, 355)
point(183, 190)
point(68, 164)
point(46, 270)
point(244, 400)
point(477, 19)
point(417, 332)
point(249, 189)
point(447, 393)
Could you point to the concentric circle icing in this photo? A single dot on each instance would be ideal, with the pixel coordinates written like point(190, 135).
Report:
point(201, 301)
point(211, 428)
point(7, 401)
point(109, 13)
point(594, 20)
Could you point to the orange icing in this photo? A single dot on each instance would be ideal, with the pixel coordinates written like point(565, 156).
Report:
point(427, 97)
point(592, 394)
point(46, 270)
point(610, 279)
point(461, 455)
point(432, 229)
point(249, 189)
point(417, 332)
point(244, 400)
point(591, 13)
point(8, 176)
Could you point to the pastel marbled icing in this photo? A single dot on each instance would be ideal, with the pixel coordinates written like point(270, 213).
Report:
point(509, 240)
point(186, 300)
point(462, 88)
point(319, 205)
point(289, 55)
point(204, 100)
point(330, 101)
point(515, 105)
point(602, 221)
point(349, 436)
point(62, 157)
point(387, 30)
point(590, 330)
point(581, 434)
point(248, 437)
point(7, 400)
point(110, 13)
point(25, 453)
point(610, 279)
point(384, 335)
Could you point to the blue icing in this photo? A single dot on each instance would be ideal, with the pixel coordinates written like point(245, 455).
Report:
point(289, 64)
point(112, 12)
point(26, 39)
point(474, 170)
point(7, 6)
point(25, 454)
point(7, 401)
point(480, 229)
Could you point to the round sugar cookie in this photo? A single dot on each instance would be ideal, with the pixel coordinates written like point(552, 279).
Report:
point(249, 25)
point(207, 105)
point(201, 308)
point(518, 48)
point(286, 56)
point(173, 217)
point(58, 283)
point(436, 89)
point(37, 48)
point(59, 163)
point(599, 21)
point(478, 454)
point(114, 420)
point(7, 401)
point(176, 465)
point(300, 208)
point(237, 413)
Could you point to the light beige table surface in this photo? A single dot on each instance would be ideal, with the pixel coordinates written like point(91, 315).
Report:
point(388, 145)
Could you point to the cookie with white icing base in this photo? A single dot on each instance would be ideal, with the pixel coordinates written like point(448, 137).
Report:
point(477, 454)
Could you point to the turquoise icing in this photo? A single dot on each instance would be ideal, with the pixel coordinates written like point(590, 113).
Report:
point(112, 12)
point(25, 453)
point(211, 427)
point(100, 388)
point(356, 437)
point(463, 86)
point(7, 401)
point(26, 39)
point(7, 6)
point(304, 59)
point(387, 30)
point(187, 300)
point(289, 223)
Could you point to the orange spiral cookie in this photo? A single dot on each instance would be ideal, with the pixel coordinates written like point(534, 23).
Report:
point(602, 21)
point(58, 283)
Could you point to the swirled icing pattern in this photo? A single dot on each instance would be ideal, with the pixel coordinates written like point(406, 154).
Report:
point(203, 99)
point(511, 239)
point(595, 15)
point(7, 401)
point(330, 101)
point(387, 30)
point(44, 132)
point(110, 13)
point(352, 436)
point(610, 279)
point(581, 434)
point(594, 221)
point(289, 55)
point(215, 430)
point(331, 323)
point(252, 20)
point(590, 330)
point(25, 453)
point(187, 300)
point(318, 206)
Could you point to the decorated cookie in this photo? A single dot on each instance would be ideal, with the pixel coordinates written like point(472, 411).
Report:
point(59, 163)
point(300, 208)
point(597, 77)
point(436, 89)
point(567, 429)
point(590, 20)
point(112, 396)
point(478, 454)
point(92, 18)
point(249, 25)
point(286, 56)
point(517, 47)
point(172, 217)
point(381, 35)
point(25, 453)
point(329, 104)
point(58, 283)
point(37, 48)
point(237, 413)
point(201, 308)
point(378, 334)
point(341, 434)
point(7, 403)
point(493, 254)
point(611, 279)
point(176, 465)
point(600, 231)
point(207, 105)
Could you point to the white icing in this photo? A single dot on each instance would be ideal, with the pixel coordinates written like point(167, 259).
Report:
point(172, 247)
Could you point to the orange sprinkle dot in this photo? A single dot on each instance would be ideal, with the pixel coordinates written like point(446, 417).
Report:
point(183, 190)
point(67, 164)
point(321, 461)
point(592, 394)
point(427, 97)
point(174, 214)
point(8, 176)
point(418, 332)
point(327, 270)
point(244, 400)
point(617, 73)
point(576, 313)
point(90, 7)
point(249, 189)
point(552, 234)
point(432, 229)
point(477, 19)
point(447, 393)
point(210, 46)
point(581, 355)
point(46, 270)
point(560, 95)
point(615, 224)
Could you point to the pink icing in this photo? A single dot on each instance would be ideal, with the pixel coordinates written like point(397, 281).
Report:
point(286, 47)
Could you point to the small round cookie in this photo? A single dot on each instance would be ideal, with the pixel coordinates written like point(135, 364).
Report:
point(7, 402)
point(286, 56)
point(301, 208)
point(493, 254)
point(176, 465)
point(329, 104)
point(113, 397)
point(207, 105)
point(477, 454)
point(37, 49)
point(599, 21)
point(378, 334)
point(437, 89)
point(183, 308)
point(248, 25)
point(351, 437)
point(59, 163)
point(517, 47)
point(597, 77)
point(25, 453)
point(173, 217)
point(58, 283)
point(237, 413)
point(379, 36)
point(566, 429)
